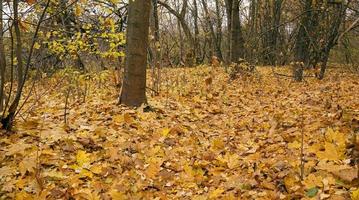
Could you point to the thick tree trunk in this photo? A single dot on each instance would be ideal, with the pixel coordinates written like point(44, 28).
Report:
point(301, 49)
point(237, 41)
point(134, 84)
point(272, 20)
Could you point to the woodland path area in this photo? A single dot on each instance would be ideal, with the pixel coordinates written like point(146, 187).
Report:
point(213, 139)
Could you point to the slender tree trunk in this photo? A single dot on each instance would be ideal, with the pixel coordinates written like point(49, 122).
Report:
point(156, 31)
point(219, 30)
point(134, 84)
point(253, 15)
point(8, 120)
point(333, 38)
point(229, 4)
point(215, 43)
point(277, 11)
point(22, 72)
point(196, 32)
point(2, 61)
point(181, 42)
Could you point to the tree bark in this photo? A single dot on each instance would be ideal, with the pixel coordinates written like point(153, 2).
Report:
point(332, 40)
point(271, 20)
point(134, 84)
point(301, 49)
point(8, 120)
point(214, 37)
point(237, 41)
point(156, 74)
point(229, 4)
point(219, 30)
point(2, 60)
point(181, 17)
point(196, 32)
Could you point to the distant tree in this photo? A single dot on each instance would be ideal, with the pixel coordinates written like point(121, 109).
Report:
point(318, 33)
point(134, 83)
point(301, 50)
point(236, 41)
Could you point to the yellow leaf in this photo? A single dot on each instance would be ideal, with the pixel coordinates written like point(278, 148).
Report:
point(216, 193)
point(86, 173)
point(152, 170)
point(217, 144)
point(199, 197)
point(314, 148)
point(128, 118)
point(28, 164)
point(355, 194)
point(16, 149)
point(165, 132)
point(82, 158)
point(294, 145)
point(37, 45)
point(78, 10)
point(331, 152)
point(116, 195)
point(96, 169)
point(23, 196)
point(232, 160)
point(290, 181)
point(336, 137)
point(118, 119)
point(313, 181)
point(55, 175)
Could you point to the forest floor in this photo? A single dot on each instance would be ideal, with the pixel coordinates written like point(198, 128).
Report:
point(204, 137)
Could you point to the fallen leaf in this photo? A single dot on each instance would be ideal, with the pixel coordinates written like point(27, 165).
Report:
point(216, 193)
point(82, 158)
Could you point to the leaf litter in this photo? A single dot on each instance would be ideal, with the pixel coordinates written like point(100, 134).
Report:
point(201, 140)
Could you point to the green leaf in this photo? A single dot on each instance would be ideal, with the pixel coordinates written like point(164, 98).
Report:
point(312, 192)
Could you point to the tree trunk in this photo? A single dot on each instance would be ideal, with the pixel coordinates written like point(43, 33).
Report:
point(7, 122)
point(196, 32)
point(237, 41)
point(229, 4)
point(134, 84)
point(271, 20)
point(301, 49)
point(157, 52)
point(181, 43)
point(277, 11)
point(182, 20)
point(216, 44)
point(2, 61)
point(332, 40)
point(219, 30)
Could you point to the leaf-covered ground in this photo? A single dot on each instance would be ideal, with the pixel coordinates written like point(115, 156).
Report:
point(203, 137)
